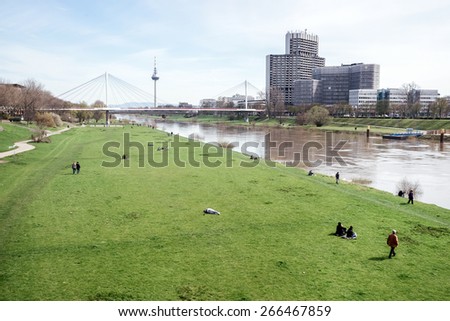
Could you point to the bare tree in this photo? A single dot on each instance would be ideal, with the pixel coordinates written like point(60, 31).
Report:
point(439, 108)
point(402, 109)
point(410, 90)
point(9, 99)
point(32, 99)
point(394, 110)
point(341, 109)
point(275, 105)
point(26, 99)
point(414, 110)
point(406, 185)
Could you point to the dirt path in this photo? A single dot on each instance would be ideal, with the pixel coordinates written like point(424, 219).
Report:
point(24, 146)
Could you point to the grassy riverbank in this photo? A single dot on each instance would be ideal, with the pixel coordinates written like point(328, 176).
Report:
point(11, 134)
point(139, 233)
point(378, 126)
point(420, 124)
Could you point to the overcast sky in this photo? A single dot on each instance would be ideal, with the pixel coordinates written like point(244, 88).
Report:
point(206, 47)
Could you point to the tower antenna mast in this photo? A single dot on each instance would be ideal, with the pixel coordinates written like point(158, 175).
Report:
point(155, 78)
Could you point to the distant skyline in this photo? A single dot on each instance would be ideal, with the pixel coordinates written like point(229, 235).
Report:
point(204, 48)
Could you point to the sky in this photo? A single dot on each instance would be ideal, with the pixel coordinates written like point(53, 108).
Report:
point(203, 48)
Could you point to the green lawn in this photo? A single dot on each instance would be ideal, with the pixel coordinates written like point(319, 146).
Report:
point(11, 134)
point(139, 233)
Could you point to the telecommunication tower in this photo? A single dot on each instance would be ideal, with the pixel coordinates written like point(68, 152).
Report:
point(154, 78)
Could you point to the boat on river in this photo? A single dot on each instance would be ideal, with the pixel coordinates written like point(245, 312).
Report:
point(404, 135)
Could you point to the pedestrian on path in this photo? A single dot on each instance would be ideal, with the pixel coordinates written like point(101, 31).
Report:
point(392, 241)
point(337, 178)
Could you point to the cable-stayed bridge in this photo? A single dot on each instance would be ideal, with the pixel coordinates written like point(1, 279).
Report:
point(117, 93)
point(111, 91)
point(112, 95)
point(245, 89)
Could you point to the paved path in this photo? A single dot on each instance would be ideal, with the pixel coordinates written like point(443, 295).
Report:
point(23, 146)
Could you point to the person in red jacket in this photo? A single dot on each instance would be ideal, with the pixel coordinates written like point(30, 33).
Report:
point(392, 241)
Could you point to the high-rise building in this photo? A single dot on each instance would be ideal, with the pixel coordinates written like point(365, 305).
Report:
point(335, 82)
point(298, 62)
point(307, 92)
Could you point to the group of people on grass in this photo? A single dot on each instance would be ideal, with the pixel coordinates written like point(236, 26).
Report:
point(400, 193)
point(392, 240)
point(410, 196)
point(337, 175)
point(76, 168)
point(345, 233)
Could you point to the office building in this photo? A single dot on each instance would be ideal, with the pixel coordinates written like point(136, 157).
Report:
point(363, 101)
point(300, 58)
point(397, 99)
point(335, 82)
point(425, 97)
point(307, 92)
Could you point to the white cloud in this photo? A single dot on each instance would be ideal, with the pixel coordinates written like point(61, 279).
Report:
point(206, 47)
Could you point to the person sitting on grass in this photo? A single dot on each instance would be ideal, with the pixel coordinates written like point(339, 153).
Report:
point(350, 234)
point(340, 230)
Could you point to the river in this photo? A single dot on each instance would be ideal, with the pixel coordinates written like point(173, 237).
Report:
point(377, 162)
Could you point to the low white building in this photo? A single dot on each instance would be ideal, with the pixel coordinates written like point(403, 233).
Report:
point(399, 97)
point(208, 103)
point(426, 97)
point(363, 101)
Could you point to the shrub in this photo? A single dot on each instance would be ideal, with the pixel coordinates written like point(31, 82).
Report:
point(44, 120)
point(318, 116)
point(406, 185)
point(225, 144)
point(301, 119)
point(57, 120)
point(40, 136)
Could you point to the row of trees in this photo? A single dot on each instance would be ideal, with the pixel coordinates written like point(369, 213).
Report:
point(437, 109)
point(27, 99)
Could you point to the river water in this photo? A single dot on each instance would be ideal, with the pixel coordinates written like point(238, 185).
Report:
point(379, 163)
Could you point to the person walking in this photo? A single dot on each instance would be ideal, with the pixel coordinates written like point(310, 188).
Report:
point(392, 241)
point(77, 165)
point(337, 177)
point(74, 168)
point(411, 197)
